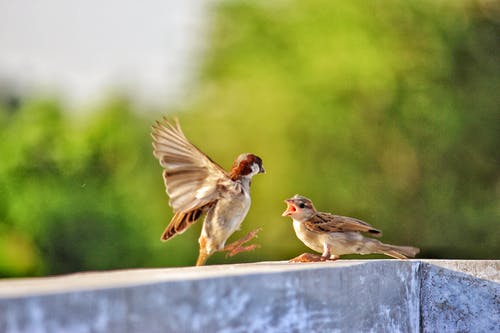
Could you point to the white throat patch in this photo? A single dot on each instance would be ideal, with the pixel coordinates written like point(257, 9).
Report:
point(255, 169)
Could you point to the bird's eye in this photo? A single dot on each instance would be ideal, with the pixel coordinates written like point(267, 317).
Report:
point(301, 205)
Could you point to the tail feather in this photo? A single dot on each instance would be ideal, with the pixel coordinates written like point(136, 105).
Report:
point(400, 252)
point(182, 221)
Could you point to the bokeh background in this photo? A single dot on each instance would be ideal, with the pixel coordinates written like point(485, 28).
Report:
point(388, 111)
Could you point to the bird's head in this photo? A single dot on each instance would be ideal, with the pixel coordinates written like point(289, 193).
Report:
point(246, 165)
point(299, 208)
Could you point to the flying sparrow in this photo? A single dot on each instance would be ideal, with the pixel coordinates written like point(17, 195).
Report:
point(335, 235)
point(196, 185)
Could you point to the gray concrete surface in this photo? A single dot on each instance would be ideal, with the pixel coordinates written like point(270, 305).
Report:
point(343, 296)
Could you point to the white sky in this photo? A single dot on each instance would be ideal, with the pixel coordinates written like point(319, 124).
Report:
point(85, 49)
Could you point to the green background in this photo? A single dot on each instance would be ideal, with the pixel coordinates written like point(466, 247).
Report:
point(387, 111)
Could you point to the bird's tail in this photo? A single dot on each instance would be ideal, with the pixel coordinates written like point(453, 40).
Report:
point(399, 252)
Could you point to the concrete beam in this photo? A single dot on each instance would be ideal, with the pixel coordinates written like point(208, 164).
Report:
point(342, 296)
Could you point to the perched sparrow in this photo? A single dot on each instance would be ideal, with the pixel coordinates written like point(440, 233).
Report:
point(197, 185)
point(334, 235)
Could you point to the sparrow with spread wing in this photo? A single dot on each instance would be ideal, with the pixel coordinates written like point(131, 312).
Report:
point(197, 185)
point(335, 235)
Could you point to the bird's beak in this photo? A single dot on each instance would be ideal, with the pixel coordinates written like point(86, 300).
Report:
point(290, 208)
point(262, 170)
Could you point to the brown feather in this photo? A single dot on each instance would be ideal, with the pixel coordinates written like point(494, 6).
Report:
point(244, 166)
point(191, 177)
point(400, 252)
point(325, 223)
point(182, 221)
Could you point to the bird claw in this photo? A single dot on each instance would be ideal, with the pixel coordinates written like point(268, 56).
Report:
point(236, 247)
point(242, 249)
point(306, 257)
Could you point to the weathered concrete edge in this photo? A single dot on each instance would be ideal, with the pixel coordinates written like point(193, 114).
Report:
point(459, 296)
point(413, 296)
point(102, 280)
point(297, 298)
point(96, 280)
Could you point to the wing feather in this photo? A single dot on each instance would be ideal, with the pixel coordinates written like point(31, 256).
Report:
point(326, 223)
point(187, 169)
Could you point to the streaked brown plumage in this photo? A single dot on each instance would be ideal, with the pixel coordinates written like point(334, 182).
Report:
point(197, 185)
point(335, 235)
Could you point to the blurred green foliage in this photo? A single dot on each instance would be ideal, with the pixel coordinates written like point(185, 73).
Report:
point(383, 110)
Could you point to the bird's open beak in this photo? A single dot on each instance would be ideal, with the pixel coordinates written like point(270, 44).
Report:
point(290, 208)
point(262, 170)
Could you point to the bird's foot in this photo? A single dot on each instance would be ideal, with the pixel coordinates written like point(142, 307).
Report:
point(306, 257)
point(237, 246)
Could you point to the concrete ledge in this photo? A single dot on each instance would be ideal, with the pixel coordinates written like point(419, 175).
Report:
point(343, 296)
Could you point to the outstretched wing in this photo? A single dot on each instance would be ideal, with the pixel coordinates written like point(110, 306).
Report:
point(191, 178)
point(325, 223)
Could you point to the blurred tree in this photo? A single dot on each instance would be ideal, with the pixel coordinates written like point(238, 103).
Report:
point(73, 190)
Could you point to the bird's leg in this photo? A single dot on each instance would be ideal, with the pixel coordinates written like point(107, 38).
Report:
point(202, 258)
point(203, 255)
point(326, 252)
point(236, 247)
point(306, 257)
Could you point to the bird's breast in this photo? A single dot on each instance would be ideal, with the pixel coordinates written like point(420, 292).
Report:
point(232, 210)
point(228, 214)
point(309, 238)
